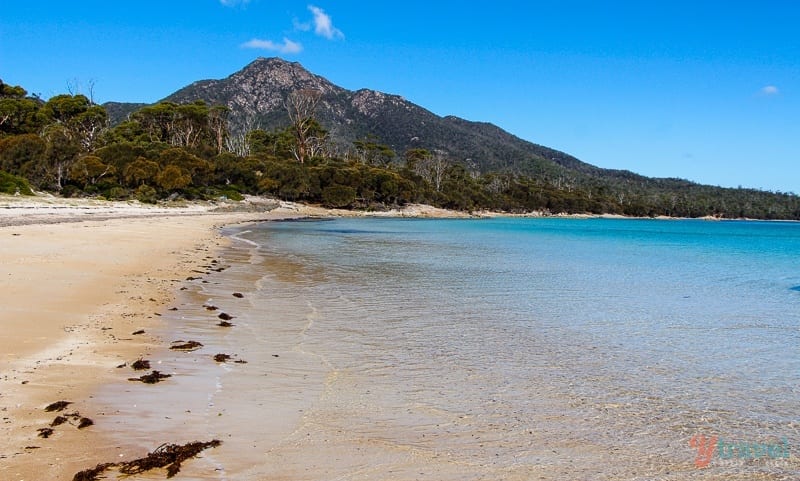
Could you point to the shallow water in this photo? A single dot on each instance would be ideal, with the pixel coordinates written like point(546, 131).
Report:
point(496, 349)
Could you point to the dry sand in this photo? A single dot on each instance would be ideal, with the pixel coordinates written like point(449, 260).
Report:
point(78, 278)
point(73, 292)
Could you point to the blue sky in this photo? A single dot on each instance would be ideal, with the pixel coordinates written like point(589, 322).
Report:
point(704, 90)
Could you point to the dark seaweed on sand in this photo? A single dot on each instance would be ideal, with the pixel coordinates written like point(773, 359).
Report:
point(225, 324)
point(136, 333)
point(238, 294)
point(152, 378)
point(186, 346)
point(92, 474)
point(45, 432)
point(59, 420)
point(221, 357)
point(57, 406)
point(168, 456)
point(85, 423)
point(225, 316)
point(141, 364)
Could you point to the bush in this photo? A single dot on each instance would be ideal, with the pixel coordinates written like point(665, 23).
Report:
point(116, 193)
point(146, 194)
point(338, 196)
point(11, 184)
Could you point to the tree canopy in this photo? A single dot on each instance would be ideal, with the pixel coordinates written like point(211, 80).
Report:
point(66, 145)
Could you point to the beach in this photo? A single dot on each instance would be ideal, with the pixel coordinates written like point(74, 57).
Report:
point(81, 279)
point(78, 279)
point(376, 349)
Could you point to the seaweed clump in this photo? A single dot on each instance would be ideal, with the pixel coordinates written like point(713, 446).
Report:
point(168, 456)
point(152, 378)
point(140, 365)
point(186, 346)
point(57, 406)
point(222, 357)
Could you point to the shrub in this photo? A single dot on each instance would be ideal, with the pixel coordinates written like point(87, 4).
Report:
point(116, 193)
point(146, 194)
point(11, 184)
point(338, 196)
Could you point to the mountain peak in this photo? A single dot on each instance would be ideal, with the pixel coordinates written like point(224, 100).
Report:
point(255, 96)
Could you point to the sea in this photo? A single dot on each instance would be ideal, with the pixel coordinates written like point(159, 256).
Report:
point(492, 349)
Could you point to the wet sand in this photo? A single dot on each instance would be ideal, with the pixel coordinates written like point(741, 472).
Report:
point(78, 279)
point(73, 293)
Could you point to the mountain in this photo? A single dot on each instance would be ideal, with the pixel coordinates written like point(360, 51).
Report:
point(256, 93)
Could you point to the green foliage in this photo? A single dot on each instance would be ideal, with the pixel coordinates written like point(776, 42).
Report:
point(116, 193)
point(173, 178)
point(66, 145)
point(146, 194)
point(338, 196)
point(13, 185)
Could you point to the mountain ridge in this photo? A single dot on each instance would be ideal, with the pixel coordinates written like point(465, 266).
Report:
point(255, 97)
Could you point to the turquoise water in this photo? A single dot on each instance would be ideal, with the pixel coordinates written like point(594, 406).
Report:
point(502, 348)
point(596, 331)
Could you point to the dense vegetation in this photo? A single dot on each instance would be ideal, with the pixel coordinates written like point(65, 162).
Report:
point(67, 145)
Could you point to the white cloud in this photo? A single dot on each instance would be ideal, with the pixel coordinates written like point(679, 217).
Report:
point(770, 90)
point(300, 26)
point(233, 3)
point(323, 25)
point(286, 47)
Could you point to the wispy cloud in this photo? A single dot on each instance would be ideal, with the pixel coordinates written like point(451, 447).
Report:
point(770, 90)
point(233, 3)
point(323, 25)
point(286, 47)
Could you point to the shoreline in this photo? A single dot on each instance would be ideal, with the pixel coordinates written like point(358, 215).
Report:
point(78, 281)
point(69, 328)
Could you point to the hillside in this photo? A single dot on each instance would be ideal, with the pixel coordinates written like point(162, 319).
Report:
point(256, 93)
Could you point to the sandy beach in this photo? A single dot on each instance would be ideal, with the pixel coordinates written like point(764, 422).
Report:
point(78, 279)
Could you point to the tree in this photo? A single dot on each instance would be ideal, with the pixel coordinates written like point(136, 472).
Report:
point(61, 152)
point(373, 153)
point(140, 172)
point(173, 178)
point(433, 168)
point(19, 153)
point(89, 169)
point(218, 126)
point(301, 105)
point(18, 113)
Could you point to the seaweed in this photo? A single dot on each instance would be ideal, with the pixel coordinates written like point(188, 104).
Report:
point(59, 420)
point(210, 307)
point(152, 378)
point(136, 333)
point(168, 456)
point(225, 317)
point(186, 346)
point(222, 357)
point(92, 474)
point(45, 432)
point(238, 294)
point(85, 423)
point(141, 364)
point(224, 324)
point(57, 406)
